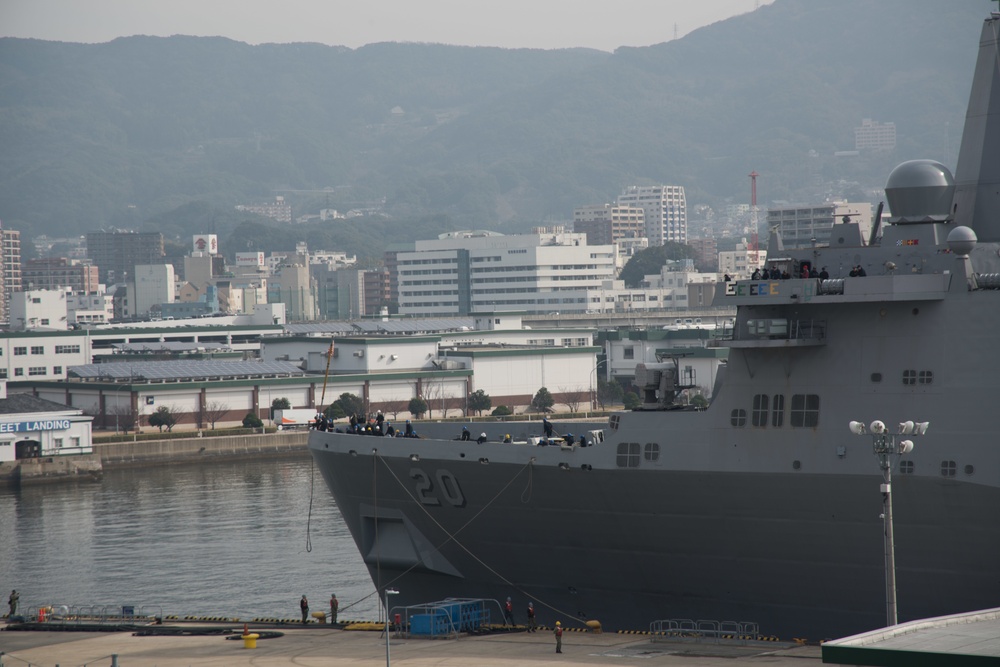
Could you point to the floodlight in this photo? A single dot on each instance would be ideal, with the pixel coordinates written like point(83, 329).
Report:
point(921, 428)
point(877, 427)
point(906, 446)
point(906, 428)
point(857, 428)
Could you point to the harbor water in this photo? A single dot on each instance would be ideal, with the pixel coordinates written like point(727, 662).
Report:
point(226, 538)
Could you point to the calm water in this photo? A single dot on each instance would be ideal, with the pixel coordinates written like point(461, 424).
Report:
point(216, 539)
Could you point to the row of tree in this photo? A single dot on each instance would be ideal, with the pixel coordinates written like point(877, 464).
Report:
point(478, 402)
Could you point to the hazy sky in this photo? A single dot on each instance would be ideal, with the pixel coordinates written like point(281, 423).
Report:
point(599, 24)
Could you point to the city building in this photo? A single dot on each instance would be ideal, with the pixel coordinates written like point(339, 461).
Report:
point(10, 268)
point(803, 226)
point(873, 135)
point(691, 341)
point(665, 208)
point(32, 427)
point(38, 309)
point(117, 252)
point(466, 272)
point(605, 224)
point(59, 272)
point(152, 285)
point(90, 308)
point(277, 210)
point(741, 262)
point(706, 252)
point(294, 287)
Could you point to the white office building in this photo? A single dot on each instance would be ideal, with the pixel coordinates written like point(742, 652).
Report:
point(38, 309)
point(153, 285)
point(665, 208)
point(466, 272)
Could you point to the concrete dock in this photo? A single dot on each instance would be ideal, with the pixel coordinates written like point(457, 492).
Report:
point(329, 647)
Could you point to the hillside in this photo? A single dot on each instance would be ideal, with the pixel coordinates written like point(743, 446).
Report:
point(126, 132)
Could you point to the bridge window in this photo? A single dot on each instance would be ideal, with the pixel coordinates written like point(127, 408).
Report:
point(906, 467)
point(948, 468)
point(925, 377)
point(805, 411)
point(778, 411)
point(652, 451)
point(738, 418)
point(628, 455)
point(759, 415)
point(909, 377)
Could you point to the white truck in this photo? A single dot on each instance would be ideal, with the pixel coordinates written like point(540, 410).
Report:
point(294, 418)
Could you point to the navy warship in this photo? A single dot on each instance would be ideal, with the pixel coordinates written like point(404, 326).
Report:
point(764, 507)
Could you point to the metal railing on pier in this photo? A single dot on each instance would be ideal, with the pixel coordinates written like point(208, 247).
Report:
point(96, 614)
point(684, 629)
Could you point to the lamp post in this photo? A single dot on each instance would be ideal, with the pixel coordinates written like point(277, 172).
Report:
point(887, 450)
point(594, 381)
point(388, 592)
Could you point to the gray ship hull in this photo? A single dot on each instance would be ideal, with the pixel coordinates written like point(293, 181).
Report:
point(800, 554)
point(764, 507)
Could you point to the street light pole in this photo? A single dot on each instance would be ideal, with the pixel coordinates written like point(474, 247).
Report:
point(388, 592)
point(887, 450)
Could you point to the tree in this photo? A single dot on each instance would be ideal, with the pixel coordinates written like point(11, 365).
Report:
point(575, 398)
point(252, 421)
point(281, 403)
point(125, 419)
point(164, 416)
point(417, 407)
point(214, 411)
point(650, 260)
point(502, 411)
point(543, 401)
point(393, 407)
point(699, 401)
point(350, 404)
point(631, 400)
point(609, 392)
point(478, 401)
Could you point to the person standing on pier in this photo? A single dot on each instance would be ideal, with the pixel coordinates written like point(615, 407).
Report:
point(334, 607)
point(531, 617)
point(12, 603)
point(304, 606)
point(557, 631)
point(508, 613)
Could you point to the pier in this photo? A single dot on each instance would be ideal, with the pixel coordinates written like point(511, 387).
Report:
point(324, 645)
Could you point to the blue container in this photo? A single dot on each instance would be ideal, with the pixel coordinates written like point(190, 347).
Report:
point(421, 624)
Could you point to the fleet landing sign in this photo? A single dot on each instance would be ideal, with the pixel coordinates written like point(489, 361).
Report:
point(32, 426)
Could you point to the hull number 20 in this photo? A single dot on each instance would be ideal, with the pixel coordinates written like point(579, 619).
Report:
point(442, 487)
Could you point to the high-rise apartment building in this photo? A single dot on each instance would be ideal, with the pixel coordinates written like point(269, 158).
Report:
point(665, 208)
point(10, 268)
point(116, 253)
point(51, 273)
point(605, 224)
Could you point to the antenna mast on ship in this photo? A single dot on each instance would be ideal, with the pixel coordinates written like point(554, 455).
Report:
point(754, 254)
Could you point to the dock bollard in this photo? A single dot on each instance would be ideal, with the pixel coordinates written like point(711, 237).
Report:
point(250, 640)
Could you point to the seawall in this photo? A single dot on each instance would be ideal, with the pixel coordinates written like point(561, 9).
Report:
point(182, 450)
point(108, 456)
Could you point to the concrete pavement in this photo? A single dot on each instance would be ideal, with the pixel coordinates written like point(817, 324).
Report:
point(329, 647)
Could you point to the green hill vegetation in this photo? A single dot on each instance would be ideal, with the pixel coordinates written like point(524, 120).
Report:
point(172, 133)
